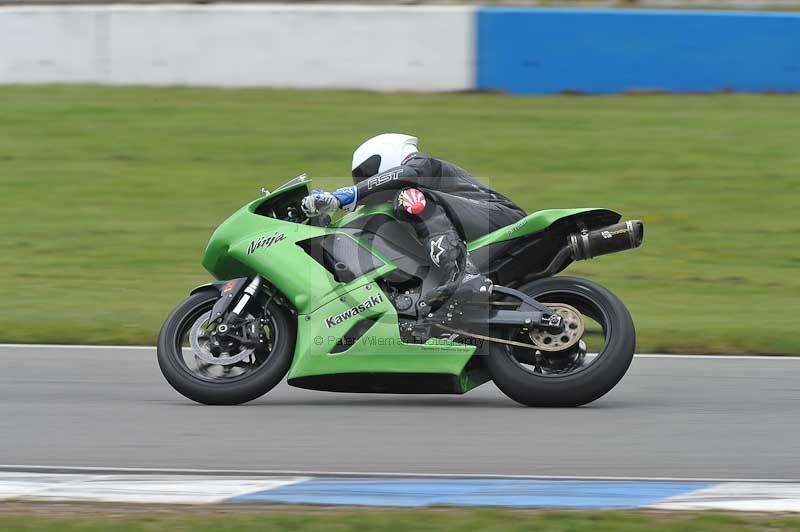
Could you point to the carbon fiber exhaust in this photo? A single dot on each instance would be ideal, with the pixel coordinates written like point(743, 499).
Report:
point(611, 239)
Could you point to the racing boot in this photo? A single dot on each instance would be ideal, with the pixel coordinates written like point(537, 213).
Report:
point(470, 298)
point(469, 287)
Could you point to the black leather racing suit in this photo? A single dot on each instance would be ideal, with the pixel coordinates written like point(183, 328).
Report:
point(459, 208)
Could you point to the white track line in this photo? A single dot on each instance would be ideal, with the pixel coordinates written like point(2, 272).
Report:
point(70, 346)
point(652, 355)
point(721, 357)
point(161, 489)
point(738, 496)
point(56, 469)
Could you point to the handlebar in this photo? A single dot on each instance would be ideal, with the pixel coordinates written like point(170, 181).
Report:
point(323, 220)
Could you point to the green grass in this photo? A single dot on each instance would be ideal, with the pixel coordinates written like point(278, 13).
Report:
point(316, 520)
point(109, 195)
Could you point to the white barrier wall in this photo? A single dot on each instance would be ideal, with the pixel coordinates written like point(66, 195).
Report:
point(426, 48)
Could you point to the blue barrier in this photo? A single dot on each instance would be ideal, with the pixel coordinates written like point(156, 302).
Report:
point(599, 51)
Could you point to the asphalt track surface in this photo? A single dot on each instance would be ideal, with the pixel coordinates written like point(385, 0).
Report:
point(670, 417)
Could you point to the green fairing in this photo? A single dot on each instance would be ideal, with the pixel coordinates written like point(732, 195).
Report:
point(316, 296)
point(307, 285)
point(379, 350)
point(371, 210)
point(533, 223)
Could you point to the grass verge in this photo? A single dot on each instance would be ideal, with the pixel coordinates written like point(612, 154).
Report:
point(327, 520)
point(109, 194)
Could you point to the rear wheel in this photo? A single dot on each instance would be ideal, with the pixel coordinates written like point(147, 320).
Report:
point(571, 368)
point(217, 369)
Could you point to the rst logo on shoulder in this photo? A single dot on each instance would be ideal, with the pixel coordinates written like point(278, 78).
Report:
point(381, 179)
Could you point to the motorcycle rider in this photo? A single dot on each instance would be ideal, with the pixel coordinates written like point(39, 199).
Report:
point(444, 202)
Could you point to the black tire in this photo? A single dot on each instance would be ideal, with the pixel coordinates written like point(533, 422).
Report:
point(252, 386)
point(583, 386)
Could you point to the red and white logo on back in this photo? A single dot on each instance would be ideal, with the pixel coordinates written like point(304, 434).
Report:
point(413, 201)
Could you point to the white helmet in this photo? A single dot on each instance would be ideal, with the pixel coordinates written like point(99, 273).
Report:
point(381, 153)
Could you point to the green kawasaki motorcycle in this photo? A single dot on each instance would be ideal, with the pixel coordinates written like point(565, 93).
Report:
point(337, 307)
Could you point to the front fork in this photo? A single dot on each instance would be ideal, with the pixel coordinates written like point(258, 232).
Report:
point(229, 294)
point(232, 325)
point(249, 291)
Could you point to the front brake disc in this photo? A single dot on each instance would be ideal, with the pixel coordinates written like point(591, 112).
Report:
point(571, 335)
point(201, 343)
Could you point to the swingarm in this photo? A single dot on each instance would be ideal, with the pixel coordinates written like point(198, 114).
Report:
point(516, 319)
point(477, 313)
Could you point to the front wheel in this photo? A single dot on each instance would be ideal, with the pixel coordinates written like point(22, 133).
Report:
point(587, 367)
point(217, 369)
